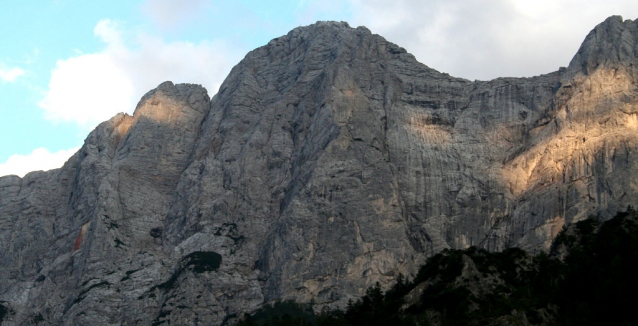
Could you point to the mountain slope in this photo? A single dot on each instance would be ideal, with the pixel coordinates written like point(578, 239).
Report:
point(586, 279)
point(330, 159)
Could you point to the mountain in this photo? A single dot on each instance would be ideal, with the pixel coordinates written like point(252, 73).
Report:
point(329, 160)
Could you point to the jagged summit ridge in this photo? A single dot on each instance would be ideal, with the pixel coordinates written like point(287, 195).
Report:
point(330, 159)
point(612, 43)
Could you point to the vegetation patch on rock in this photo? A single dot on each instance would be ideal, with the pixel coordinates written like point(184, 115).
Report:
point(203, 261)
point(588, 278)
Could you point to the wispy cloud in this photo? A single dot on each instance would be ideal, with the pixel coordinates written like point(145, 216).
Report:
point(170, 13)
point(32, 57)
point(91, 88)
point(39, 159)
point(9, 74)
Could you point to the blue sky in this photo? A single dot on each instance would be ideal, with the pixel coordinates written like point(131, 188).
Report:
point(66, 65)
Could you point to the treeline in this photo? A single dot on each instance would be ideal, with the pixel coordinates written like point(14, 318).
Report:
point(589, 277)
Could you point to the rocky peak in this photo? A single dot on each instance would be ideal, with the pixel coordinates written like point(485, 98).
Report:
point(162, 103)
point(612, 43)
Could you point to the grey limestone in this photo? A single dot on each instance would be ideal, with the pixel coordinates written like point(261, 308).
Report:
point(329, 160)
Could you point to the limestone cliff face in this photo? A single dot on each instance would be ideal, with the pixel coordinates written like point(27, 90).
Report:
point(330, 159)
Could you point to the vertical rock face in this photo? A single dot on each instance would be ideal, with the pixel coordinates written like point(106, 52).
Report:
point(330, 159)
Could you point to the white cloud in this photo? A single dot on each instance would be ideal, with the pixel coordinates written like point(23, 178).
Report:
point(91, 88)
point(479, 39)
point(87, 89)
point(39, 159)
point(8, 75)
point(110, 33)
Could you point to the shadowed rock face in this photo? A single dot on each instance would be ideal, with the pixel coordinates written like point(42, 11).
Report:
point(330, 159)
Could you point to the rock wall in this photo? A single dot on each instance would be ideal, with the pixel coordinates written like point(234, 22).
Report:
point(330, 159)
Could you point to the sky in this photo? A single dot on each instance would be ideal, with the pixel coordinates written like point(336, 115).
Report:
point(67, 65)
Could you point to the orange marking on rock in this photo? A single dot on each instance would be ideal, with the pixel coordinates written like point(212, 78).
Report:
point(79, 241)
